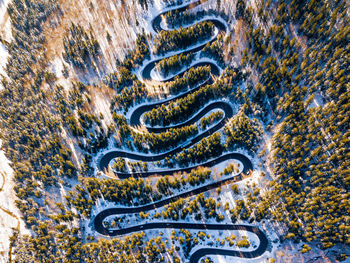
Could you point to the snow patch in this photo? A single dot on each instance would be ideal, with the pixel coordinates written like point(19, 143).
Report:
point(5, 34)
point(9, 214)
point(3, 60)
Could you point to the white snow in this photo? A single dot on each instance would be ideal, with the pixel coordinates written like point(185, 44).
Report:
point(9, 214)
point(5, 33)
point(318, 101)
point(3, 6)
point(226, 191)
point(3, 61)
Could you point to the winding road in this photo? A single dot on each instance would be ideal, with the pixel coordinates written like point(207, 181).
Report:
point(134, 120)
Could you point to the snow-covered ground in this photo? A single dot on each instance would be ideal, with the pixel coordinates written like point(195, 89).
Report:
point(120, 29)
point(215, 176)
point(3, 61)
point(5, 33)
point(124, 148)
point(316, 101)
point(215, 238)
point(5, 23)
point(9, 214)
point(226, 196)
point(3, 6)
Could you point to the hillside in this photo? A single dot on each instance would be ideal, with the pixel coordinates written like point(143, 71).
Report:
point(174, 131)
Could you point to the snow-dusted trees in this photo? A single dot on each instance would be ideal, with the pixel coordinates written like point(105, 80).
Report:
point(129, 96)
point(243, 132)
point(214, 50)
point(212, 118)
point(80, 48)
point(183, 37)
point(181, 109)
point(309, 145)
point(207, 148)
point(191, 78)
point(173, 64)
point(165, 140)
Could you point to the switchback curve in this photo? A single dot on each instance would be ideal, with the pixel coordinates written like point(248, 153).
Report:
point(135, 121)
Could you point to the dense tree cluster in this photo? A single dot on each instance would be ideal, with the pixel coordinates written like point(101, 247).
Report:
point(129, 96)
point(153, 142)
point(121, 79)
point(243, 243)
point(129, 191)
point(181, 109)
point(27, 34)
point(181, 208)
point(243, 132)
point(86, 126)
point(173, 64)
point(211, 119)
point(80, 48)
point(191, 78)
point(297, 75)
point(198, 207)
point(175, 18)
point(31, 127)
point(142, 49)
point(310, 156)
point(135, 57)
point(119, 165)
point(126, 192)
point(183, 37)
point(31, 133)
point(195, 177)
point(165, 140)
point(138, 166)
point(303, 82)
point(207, 148)
point(214, 50)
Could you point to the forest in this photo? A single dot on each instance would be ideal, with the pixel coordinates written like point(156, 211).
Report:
point(212, 118)
point(191, 78)
point(181, 38)
point(80, 47)
point(172, 64)
point(290, 87)
point(181, 109)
